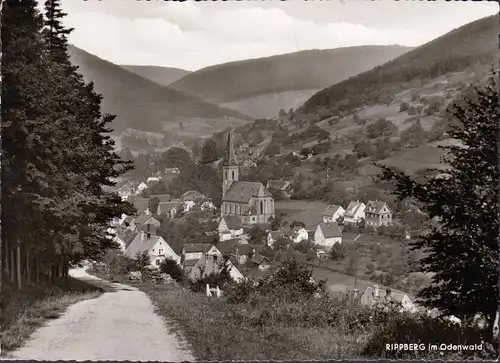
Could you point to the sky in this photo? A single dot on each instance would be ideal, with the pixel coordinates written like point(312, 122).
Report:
point(192, 35)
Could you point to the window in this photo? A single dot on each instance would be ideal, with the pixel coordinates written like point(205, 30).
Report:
point(233, 175)
point(158, 262)
point(215, 258)
point(261, 207)
point(160, 251)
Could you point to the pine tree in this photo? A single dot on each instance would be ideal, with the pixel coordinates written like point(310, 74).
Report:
point(462, 248)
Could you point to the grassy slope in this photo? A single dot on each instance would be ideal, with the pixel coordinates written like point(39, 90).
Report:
point(142, 104)
point(472, 44)
point(305, 70)
point(23, 312)
point(161, 75)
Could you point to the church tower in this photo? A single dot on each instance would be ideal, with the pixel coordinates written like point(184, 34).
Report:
point(230, 168)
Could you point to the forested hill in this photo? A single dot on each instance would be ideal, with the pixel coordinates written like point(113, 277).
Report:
point(308, 69)
point(474, 45)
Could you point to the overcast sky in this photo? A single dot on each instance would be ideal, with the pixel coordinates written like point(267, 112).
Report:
point(192, 35)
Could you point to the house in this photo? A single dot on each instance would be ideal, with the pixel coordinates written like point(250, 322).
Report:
point(146, 219)
point(192, 252)
point(229, 227)
point(327, 234)
point(273, 236)
point(172, 171)
point(238, 252)
point(250, 201)
point(299, 234)
point(161, 197)
point(128, 223)
point(373, 296)
point(248, 164)
point(192, 195)
point(378, 214)
point(213, 263)
point(140, 188)
point(332, 213)
point(355, 212)
point(261, 262)
point(170, 208)
point(156, 247)
point(148, 228)
point(279, 188)
point(152, 179)
point(140, 204)
point(125, 191)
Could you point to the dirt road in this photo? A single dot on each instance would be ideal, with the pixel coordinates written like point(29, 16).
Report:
point(118, 325)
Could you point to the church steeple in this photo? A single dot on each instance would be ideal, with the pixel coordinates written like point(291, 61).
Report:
point(230, 168)
point(230, 158)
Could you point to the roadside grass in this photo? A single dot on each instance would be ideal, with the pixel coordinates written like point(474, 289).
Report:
point(215, 330)
point(22, 312)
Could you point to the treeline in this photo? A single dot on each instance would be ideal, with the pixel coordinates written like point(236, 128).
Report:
point(57, 152)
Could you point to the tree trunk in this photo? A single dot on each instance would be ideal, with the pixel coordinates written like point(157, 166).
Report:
point(50, 272)
point(37, 268)
point(28, 266)
point(18, 274)
point(12, 266)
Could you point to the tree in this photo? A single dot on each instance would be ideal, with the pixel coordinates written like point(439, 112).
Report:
point(209, 152)
point(153, 204)
point(337, 252)
point(462, 249)
point(257, 235)
point(171, 267)
point(381, 127)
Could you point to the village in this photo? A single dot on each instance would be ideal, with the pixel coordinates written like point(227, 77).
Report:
point(246, 207)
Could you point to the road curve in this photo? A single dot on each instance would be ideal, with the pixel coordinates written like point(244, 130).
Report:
point(118, 325)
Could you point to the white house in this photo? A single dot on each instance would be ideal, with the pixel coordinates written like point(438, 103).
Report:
point(355, 212)
point(299, 234)
point(142, 186)
point(327, 234)
point(213, 262)
point(125, 191)
point(373, 296)
point(156, 247)
point(192, 252)
point(332, 213)
point(378, 214)
point(152, 179)
point(230, 227)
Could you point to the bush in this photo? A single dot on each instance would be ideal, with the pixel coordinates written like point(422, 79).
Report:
point(172, 268)
point(337, 252)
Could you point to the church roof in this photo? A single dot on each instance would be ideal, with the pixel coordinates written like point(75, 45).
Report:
point(230, 158)
point(242, 192)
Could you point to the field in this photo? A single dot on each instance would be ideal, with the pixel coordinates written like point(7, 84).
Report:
point(308, 212)
point(423, 157)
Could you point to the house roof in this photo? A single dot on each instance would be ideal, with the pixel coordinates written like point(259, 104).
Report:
point(141, 204)
point(245, 249)
point(230, 157)
point(353, 208)
point(331, 209)
point(128, 239)
point(243, 192)
point(330, 230)
point(228, 246)
point(129, 219)
point(258, 259)
point(397, 296)
point(196, 247)
point(140, 246)
point(277, 184)
point(192, 195)
point(376, 206)
point(151, 228)
point(161, 197)
point(232, 221)
point(142, 218)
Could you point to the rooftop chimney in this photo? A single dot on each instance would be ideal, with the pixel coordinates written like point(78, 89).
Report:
point(142, 236)
point(375, 291)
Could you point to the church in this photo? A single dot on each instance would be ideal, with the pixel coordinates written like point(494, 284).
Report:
point(250, 201)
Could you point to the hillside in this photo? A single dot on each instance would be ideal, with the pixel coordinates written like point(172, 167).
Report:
point(471, 47)
point(144, 105)
point(309, 70)
point(161, 75)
